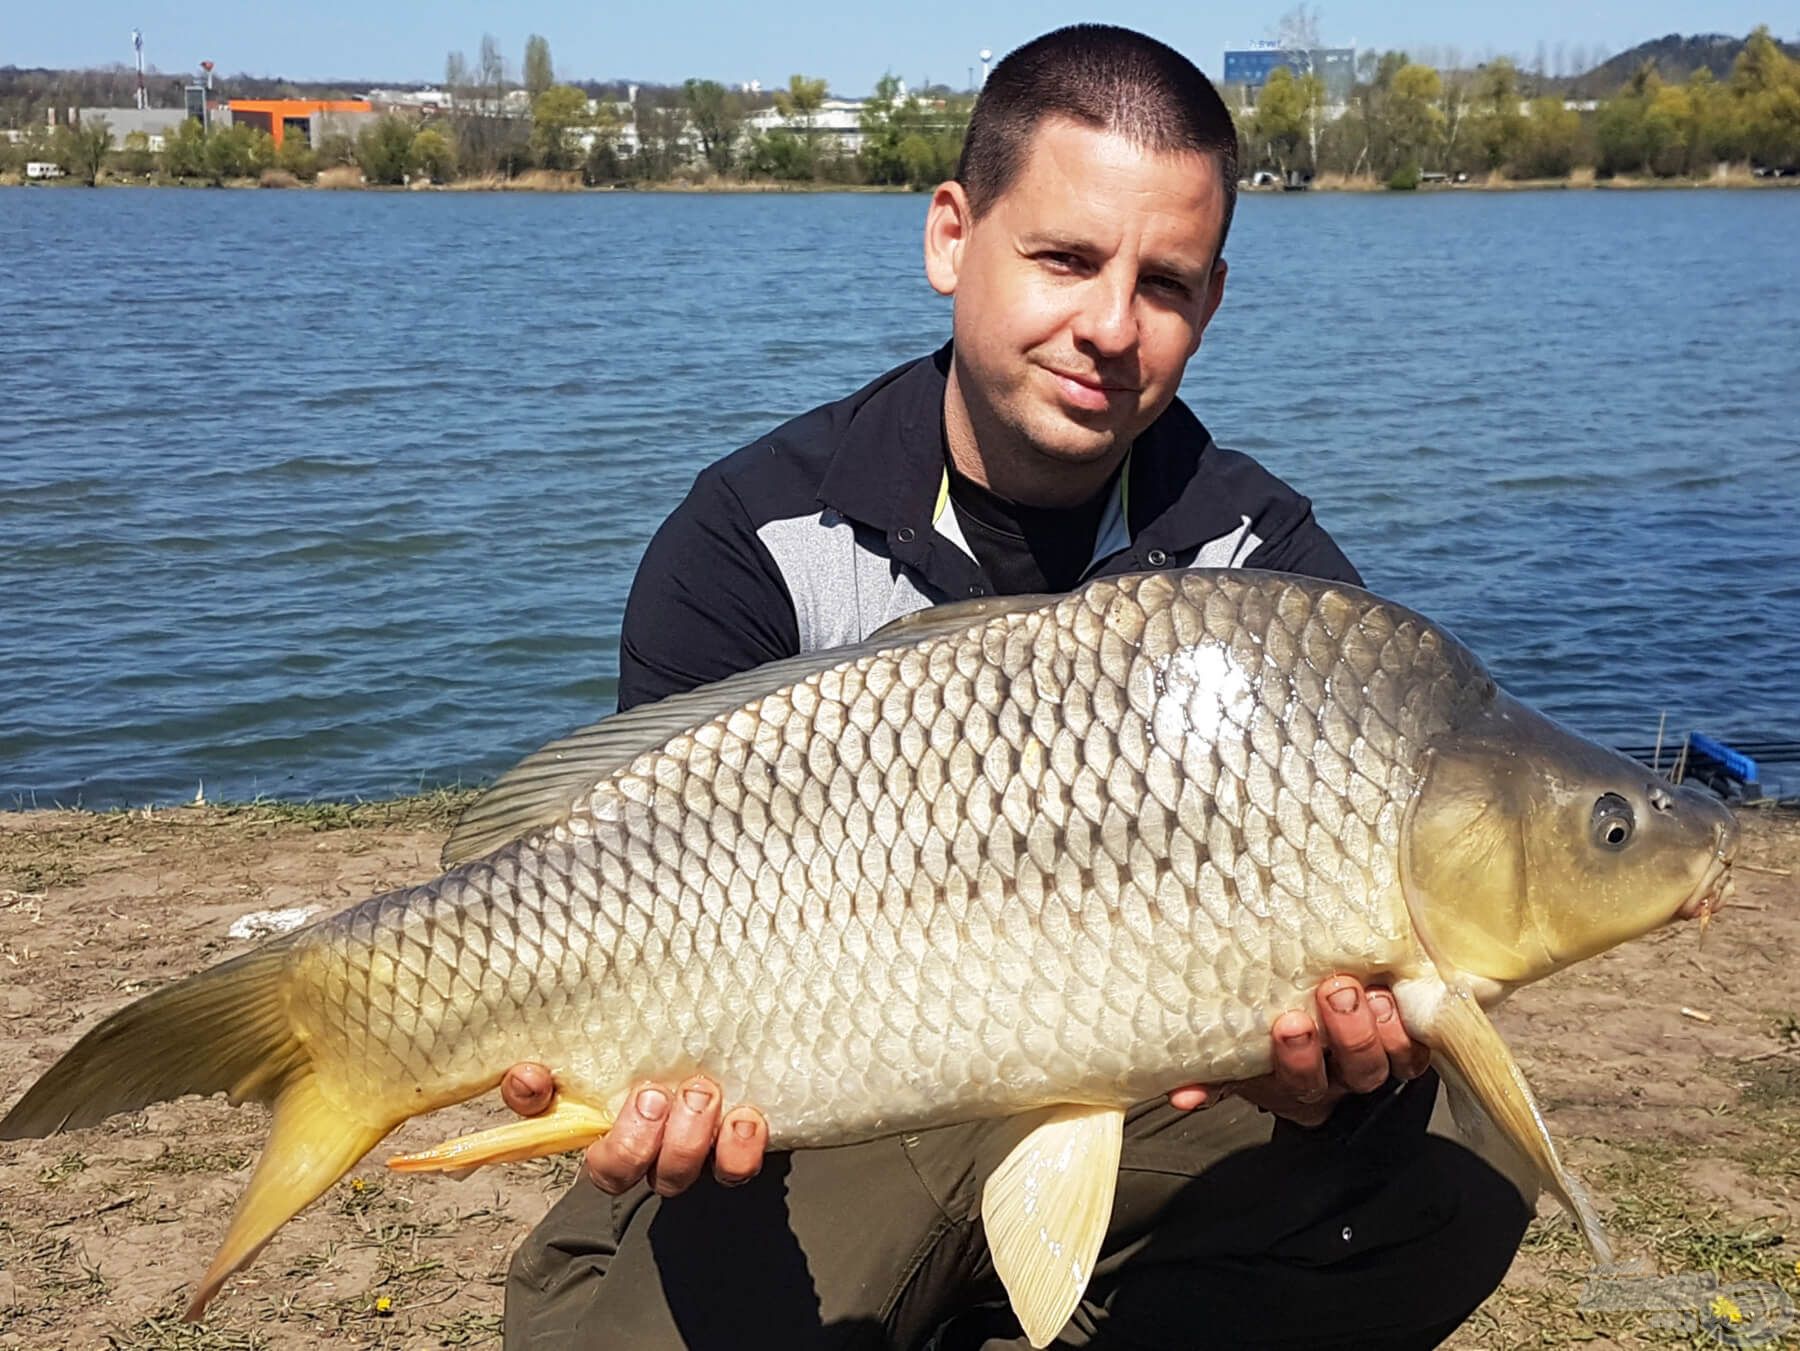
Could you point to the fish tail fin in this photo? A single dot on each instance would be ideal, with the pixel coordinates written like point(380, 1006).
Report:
point(312, 1143)
point(223, 1030)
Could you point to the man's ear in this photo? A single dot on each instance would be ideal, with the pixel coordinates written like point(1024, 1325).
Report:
point(946, 232)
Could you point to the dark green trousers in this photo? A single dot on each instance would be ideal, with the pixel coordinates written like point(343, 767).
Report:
point(1229, 1231)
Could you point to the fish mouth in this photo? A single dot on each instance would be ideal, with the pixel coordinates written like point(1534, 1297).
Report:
point(1716, 887)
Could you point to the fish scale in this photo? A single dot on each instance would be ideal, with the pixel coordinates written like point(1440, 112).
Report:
point(1017, 854)
point(1073, 854)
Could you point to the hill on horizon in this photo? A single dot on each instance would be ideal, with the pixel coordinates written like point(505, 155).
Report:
point(1676, 57)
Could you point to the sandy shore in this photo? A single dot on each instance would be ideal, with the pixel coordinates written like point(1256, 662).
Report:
point(1670, 1073)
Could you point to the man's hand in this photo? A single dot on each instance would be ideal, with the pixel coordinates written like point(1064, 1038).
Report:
point(1362, 1030)
point(662, 1135)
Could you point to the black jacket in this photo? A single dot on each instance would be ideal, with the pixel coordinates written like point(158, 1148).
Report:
point(834, 523)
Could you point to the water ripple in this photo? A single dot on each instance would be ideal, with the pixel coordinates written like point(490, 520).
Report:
point(364, 519)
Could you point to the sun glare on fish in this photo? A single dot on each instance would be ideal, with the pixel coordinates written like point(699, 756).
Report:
point(1200, 691)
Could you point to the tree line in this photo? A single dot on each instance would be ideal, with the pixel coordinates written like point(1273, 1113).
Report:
point(1403, 120)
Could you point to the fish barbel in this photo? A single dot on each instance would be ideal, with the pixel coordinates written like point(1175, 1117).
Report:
point(1046, 855)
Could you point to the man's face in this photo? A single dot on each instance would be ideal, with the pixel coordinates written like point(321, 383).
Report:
point(1082, 292)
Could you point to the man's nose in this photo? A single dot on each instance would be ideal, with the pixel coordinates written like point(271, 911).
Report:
point(1107, 320)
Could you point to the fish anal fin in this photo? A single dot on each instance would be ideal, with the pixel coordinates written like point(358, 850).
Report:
point(565, 1125)
point(312, 1143)
point(1046, 1209)
point(1493, 1079)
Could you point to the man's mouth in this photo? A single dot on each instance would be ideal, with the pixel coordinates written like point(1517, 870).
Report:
point(1089, 391)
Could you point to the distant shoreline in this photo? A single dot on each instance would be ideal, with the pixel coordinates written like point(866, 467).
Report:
point(538, 182)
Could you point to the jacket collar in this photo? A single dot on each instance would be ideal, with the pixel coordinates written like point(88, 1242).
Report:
point(888, 467)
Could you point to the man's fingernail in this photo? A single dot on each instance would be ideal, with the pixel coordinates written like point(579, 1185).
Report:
point(697, 1099)
point(653, 1104)
point(1296, 1038)
point(744, 1130)
point(1344, 1001)
point(1383, 1006)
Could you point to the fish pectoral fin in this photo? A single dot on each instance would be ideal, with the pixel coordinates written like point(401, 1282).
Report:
point(1493, 1079)
point(312, 1143)
point(1046, 1209)
point(565, 1125)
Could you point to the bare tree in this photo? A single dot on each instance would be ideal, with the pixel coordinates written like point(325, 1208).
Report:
point(540, 74)
point(1297, 35)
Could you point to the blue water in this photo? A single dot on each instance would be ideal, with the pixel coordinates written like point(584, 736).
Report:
point(326, 495)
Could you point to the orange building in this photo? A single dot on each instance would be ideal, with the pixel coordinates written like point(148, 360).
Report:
point(275, 115)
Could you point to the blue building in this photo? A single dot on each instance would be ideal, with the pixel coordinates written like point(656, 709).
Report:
point(1252, 66)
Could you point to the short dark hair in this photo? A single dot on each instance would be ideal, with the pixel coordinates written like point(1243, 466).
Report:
point(1105, 77)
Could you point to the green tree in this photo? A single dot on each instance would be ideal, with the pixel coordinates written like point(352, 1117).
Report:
point(1549, 142)
point(801, 100)
point(435, 156)
point(1499, 126)
point(297, 156)
point(1282, 117)
point(1767, 84)
point(335, 150)
point(184, 151)
point(781, 154)
point(237, 151)
point(539, 73)
point(1415, 121)
point(555, 114)
point(385, 149)
point(84, 149)
point(134, 156)
point(907, 140)
point(716, 115)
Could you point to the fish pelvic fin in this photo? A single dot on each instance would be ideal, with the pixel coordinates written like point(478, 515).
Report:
point(1046, 1209)
point(1484, 1069)
point(312, 1143)
point(222, 1030)
point(565, 1125)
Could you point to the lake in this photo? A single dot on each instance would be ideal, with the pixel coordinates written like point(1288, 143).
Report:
point(315, 495)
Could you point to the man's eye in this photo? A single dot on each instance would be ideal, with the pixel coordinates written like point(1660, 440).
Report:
point(1171, 285)
point(1061, 262)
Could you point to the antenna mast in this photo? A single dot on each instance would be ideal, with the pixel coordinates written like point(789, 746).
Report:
point(137, 46)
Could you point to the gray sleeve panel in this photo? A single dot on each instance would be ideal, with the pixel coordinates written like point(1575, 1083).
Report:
point(841, 591)
point(1229, 551)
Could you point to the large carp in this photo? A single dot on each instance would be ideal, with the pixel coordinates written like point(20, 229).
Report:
point(1045, 855)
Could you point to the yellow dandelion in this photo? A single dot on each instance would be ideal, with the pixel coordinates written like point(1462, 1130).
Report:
point(1723, 1306)
point(386, 1305)
point(358, 1185)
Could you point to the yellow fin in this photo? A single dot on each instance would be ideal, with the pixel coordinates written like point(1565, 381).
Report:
point(1046, 1209)
point(563, 1126)
point(1494, 1080)
point(312, 1143)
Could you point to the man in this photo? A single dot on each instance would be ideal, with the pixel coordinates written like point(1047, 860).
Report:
point(1082, 242)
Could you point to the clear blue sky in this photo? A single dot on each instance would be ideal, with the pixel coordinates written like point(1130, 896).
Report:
point(363, 40)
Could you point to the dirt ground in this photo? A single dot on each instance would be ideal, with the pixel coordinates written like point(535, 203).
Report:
point(1670, 1074)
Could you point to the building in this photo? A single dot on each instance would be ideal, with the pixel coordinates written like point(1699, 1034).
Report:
point(312, 117)
point(1250, 68)
point(154, 123)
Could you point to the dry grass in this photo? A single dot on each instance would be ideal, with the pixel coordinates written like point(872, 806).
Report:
point(340, 176)
point(277, 178)
point(1688, 1133)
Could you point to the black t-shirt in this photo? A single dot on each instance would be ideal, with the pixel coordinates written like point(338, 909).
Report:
point(1028, 550)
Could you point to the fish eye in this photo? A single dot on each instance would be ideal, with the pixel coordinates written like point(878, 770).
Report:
point(1613, 821)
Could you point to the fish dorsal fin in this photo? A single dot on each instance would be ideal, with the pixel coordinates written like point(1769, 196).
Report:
point(541, 788)
point(939, 621)
point(1492, 1078)
point(1046, 1209)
